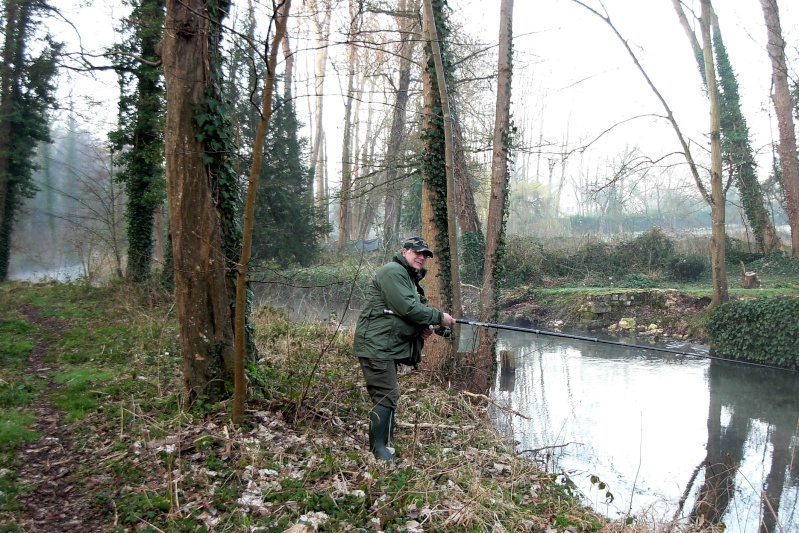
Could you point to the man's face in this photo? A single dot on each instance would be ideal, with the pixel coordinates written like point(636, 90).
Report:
point(415, 259)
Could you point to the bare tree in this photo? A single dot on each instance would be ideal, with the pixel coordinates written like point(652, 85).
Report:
point(321, 24)
point(408, 27)
point(497, 208)
point(781, 97)
point(714, 197)
point(92, 207)
point(280, 16)
point(344, 212)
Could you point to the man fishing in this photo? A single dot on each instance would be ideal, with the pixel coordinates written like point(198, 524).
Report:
point(391, 328)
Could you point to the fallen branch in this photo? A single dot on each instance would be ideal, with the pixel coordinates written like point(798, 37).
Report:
point(495, 404)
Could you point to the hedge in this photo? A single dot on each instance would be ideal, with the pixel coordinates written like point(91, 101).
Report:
point(764, 330)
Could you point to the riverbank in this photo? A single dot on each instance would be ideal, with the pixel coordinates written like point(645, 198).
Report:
point(655, 313)
point(648, 307)
point(95, 435)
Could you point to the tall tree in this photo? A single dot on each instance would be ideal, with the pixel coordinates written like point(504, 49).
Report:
point(442, 76)
point(26, 94)
point(345, 207)
point(498, 202)
point(717, 191)
point(320, 18)
point(139, 138)
point(202, 193)
point(736, 149)
point(434, 210)
point(714, 197)
point(280, 17)
point(781, 96)
point(407, 27)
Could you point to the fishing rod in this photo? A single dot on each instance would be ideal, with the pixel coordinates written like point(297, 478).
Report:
point(606, 341)
point(569, 336)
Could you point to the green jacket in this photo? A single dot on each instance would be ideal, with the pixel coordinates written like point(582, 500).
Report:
point(394, 314)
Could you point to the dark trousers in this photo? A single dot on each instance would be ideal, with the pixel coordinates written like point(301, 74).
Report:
point(381, 381)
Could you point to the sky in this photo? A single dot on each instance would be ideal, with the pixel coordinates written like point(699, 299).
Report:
point(571, 65)
point(571, 73)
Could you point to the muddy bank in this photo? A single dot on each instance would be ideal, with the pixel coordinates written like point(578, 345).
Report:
point(661, 313)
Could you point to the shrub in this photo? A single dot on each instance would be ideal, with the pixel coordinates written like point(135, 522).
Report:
point(472, 247)
point(524, 261)
point(736, 250)
point(765, 330)
point(638, 281)
point(688, 268)
point(650, 251)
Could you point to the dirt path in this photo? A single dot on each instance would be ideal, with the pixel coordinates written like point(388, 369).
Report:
point(53, 496)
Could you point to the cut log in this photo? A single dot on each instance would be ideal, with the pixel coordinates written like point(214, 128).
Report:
point(749, 280)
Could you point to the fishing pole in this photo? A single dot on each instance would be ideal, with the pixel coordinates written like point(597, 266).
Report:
point(606, 341)
point(569, 336)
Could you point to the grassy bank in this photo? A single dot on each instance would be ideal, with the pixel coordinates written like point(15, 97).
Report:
point(103, 365)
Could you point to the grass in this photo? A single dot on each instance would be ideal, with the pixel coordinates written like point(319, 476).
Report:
point(300, 456)
point(15, 428)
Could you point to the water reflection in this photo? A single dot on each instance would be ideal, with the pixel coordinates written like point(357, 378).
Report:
point(670, 436)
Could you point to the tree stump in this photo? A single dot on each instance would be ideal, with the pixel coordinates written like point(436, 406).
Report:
point(749, 280)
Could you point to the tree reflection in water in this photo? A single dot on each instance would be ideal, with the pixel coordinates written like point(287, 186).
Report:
point(739, 391)
point(705, 441)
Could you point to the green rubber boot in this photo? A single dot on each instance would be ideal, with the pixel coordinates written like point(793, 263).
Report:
point(380, 419)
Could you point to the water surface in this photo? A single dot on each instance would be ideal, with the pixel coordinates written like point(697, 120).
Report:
point(668, 435)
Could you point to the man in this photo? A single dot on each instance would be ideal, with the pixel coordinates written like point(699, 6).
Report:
point(394, 319)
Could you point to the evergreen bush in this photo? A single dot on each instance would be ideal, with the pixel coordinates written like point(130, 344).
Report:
point(764, 330)
point(688, 268)
point(638, 281)
point(524, 262)
point(736, 250)
point(472, 247)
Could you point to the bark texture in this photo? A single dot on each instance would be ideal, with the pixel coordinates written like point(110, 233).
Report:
point(408, 34)
point(783, 109)
point(717, 205)
point(202, 291)
point(497, 207)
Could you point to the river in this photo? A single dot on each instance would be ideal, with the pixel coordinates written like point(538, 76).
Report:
point(662, 434)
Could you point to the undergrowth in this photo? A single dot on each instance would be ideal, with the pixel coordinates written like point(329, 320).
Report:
point(301, 456)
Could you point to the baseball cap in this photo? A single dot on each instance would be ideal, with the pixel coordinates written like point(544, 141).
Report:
point(418, 245)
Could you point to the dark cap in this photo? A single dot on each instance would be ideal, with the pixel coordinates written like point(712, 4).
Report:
point(418, 245)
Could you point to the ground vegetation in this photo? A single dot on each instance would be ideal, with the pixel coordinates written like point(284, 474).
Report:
point(94, 375)
point(98, 433)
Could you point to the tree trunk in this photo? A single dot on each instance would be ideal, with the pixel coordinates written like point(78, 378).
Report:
point(433, 208)
point(280, 18)
point(783, 108)
point(321, 22)
point(717, 206)
point(451, 212)
point(202, 292)
point(467, 210)
point(345, 207)
point(288, 75)
point(143, 175)
point(408, 25)
point(497, 207)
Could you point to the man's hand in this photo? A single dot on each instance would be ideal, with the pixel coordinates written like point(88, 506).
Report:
point(446, 320)
point(426, 332)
